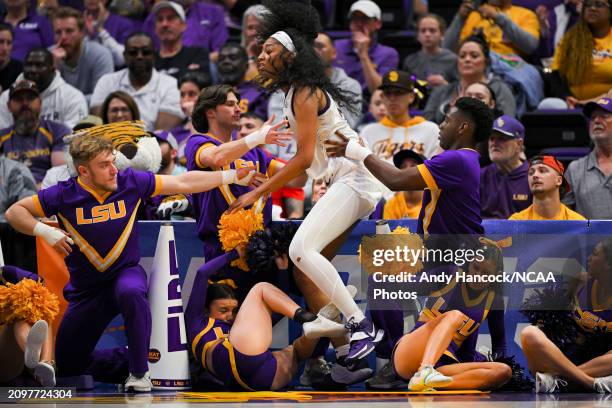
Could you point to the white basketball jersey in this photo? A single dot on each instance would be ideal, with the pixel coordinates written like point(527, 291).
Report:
point(332, 169)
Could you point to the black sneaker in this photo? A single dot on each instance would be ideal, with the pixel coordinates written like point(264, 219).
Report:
point(386, 379)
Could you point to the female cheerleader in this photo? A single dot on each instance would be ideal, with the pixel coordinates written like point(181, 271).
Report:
point(593, 314)
point(446, 333)
point(288, 62)
point(25, 337)
point(235, 351)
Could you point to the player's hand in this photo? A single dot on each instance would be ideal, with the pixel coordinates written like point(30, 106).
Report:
point(488, 11)
point(244, 175)
point(62, 246)
point(465, 9)
point(337, 148)
point(244, 201)
point(257, 180)
point(172, 205)
point(276, 136)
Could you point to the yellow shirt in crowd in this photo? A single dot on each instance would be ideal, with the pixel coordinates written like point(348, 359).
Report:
point(524, 18)
point(397, 208)
point(600, 78)
point(565, 214)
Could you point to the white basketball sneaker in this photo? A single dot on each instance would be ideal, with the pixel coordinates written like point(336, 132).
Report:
point(138, 384)
point(323, 327)
point(603, 385)
point(548, 383)
point(428, 379)
point(34, 342)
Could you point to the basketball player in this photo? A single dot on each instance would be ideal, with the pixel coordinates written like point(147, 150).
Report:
point(288, 63)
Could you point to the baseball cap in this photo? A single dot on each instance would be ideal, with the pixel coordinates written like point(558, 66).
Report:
point(24, 86)
point(509, 126)
point(397, 79)
point(554, 164)
point(167, 137)
point(602, 103)
point(178, 9)
point(87, 122)
point(399, 157)
point(367, 7)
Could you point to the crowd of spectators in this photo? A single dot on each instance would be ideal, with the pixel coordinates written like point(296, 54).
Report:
point(62, 61)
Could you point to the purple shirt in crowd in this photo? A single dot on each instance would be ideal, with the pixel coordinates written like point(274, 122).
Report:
point(451, 202)
point(384, 58)
point(120, 27)
point(31, 32)
point(34, 151)
point(210, 205)
point(501, 195)
point(205, 27)
point(104, 228)
point(253, 99)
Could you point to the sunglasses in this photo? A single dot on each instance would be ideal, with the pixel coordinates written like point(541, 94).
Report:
point(133, 52)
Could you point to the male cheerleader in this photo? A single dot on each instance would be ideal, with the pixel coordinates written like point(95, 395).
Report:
point(99, 236)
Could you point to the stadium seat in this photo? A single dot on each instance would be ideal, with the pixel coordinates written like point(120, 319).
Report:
point(553, 129)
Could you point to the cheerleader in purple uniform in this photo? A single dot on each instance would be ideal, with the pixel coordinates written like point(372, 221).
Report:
point(592, 312)
point(441, 350)
point(233, 343)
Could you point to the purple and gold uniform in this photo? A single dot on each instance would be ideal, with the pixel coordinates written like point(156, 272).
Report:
point(105, 276)
point(478, 306)
point(589, 312)
point(210, 205)
point(234, 369)
point(451, 202)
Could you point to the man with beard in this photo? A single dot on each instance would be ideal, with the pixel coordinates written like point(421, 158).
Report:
point(156, 94)
point(232, 65)
point(82, 63)
point(61, 102)
point(35, 142)
point(173, 58)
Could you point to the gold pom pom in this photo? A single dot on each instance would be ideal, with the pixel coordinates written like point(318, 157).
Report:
point(391, 241)
point(236, 229)
point(28, 300)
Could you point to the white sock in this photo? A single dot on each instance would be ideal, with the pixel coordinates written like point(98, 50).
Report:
point(380, 363)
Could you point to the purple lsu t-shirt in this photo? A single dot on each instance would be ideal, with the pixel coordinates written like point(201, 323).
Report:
point(104, 227)
point(34, 151)
point(210, 205)
point(502, 195)
point(206, 27)
point(451, 202)
point(31, 32)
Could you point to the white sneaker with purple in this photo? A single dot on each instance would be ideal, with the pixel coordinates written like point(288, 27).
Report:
point(364, 338)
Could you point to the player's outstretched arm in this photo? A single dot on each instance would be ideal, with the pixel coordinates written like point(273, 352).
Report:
point(395, 179)
point(225, 153)
point(199, 181)
point(306, 117)
point(21, 216)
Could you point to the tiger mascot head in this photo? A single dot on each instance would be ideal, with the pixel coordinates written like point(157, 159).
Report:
point(135, 147)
